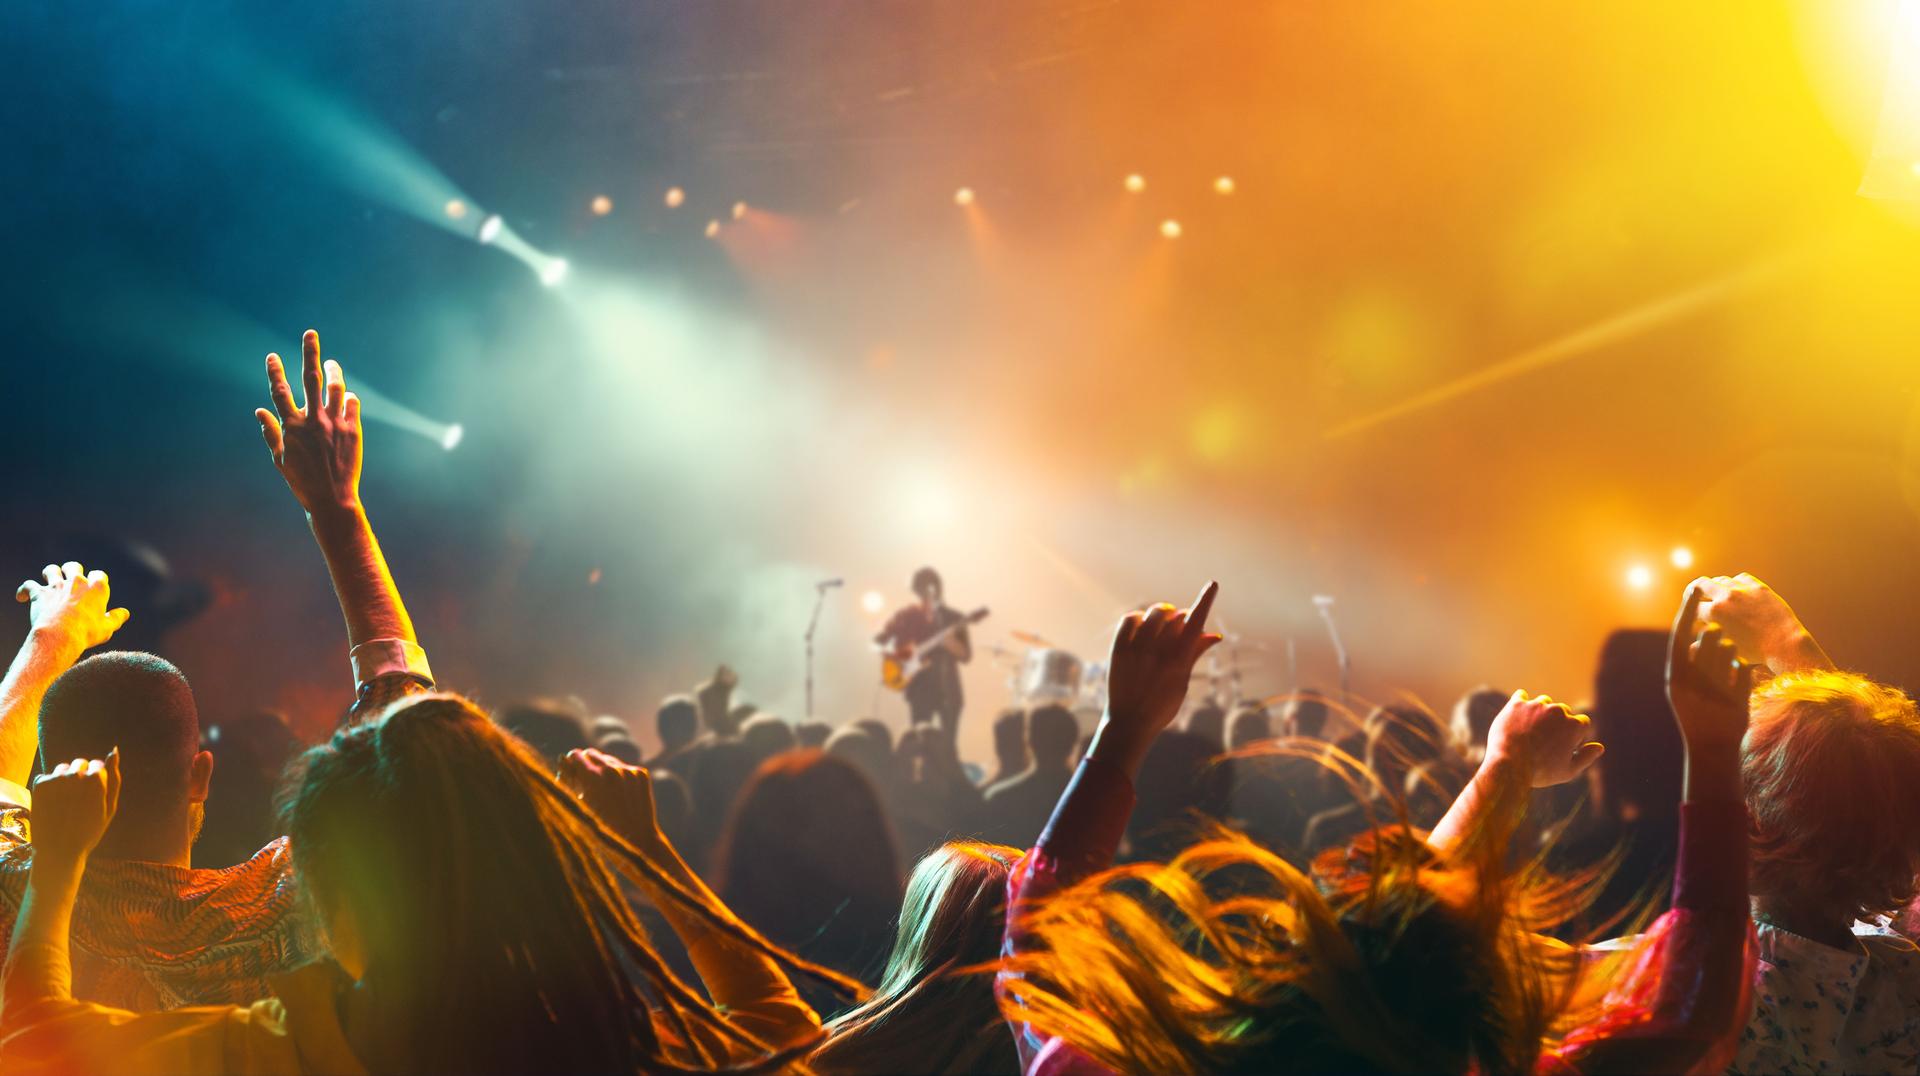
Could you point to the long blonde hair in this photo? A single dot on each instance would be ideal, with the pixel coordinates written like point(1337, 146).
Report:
point(934, 1009)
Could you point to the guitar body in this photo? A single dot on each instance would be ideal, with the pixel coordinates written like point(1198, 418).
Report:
point(899, 667)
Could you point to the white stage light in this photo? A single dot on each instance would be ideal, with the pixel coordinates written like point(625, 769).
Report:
point(1639, 577)
point(553, 272)
point(963, 196)
point(450, 438)
point(872, 602)
point(1223, 185)
point(1682, 557)
point(1170, 229)
point(490, 229)
point(1135, 183)
point(674, 197)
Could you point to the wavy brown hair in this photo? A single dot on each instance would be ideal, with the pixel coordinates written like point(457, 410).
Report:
point(487, 898)
point(1831, 769)
point(1386, 956)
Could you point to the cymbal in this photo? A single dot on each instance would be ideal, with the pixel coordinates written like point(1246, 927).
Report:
point(1028, 638)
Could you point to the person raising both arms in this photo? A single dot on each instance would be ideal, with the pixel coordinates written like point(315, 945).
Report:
point(149, 932)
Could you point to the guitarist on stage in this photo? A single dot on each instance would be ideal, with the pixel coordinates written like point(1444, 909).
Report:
point(934, 693)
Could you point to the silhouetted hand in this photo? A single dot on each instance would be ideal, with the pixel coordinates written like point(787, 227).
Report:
point(620, 794)
point(1548, 742)
point(1759, 622)
point(317, 448)
point(72, 807)
point(1707, 683)
point(70, 609)
point(1148, 674)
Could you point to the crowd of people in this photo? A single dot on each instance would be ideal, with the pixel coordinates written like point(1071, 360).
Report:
point(1715, 871)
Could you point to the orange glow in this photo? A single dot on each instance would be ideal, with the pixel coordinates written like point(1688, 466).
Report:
point(674, 198)
point(601, 205)
point(1135, 183)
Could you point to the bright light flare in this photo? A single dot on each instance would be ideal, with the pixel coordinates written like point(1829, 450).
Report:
point(1682, 557)
point(739, 210)
point(873, 601)
point(456, 209)
point(674, 198)
point(450, 437)
point(1223, 185)
point(490, 229)
point(1134, 183)
point(554, 271)
point(1170, 229)
point(963, 196)
point(601, 205)
point(1639, 577)
point(713, 229)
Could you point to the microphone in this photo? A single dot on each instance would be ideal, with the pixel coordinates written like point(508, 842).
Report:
point(829, 584)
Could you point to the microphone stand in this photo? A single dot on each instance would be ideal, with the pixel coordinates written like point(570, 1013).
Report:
point(1325, 605)
point(819, 602)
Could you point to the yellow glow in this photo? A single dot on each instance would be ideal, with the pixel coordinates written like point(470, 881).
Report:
point(739, 210)
point(713, 228)
point(674, 198)
point(1639, 577)
point(456, 209)
point(873, 601)
point(1223, 185)
point(1135, 183)
point(1170, 228)
point(1682, 557)
point(601, 205)
point(963, 196)
point(1216, 434)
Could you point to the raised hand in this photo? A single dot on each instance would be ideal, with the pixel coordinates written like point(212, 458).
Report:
point(316, 446)
point(1549, 743)
point(72, 807)
point(1759, 622)
point(1707, 682)
point(1148, 674)
point(70, 608)
point(620, 794)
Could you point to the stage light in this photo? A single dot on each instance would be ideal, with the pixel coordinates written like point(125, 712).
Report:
point(601, 205)
point(450, 438)
point(872, 601)
point(1135, 183)
point(674, 197)
point(1682, 557)
point(713, 228)
point(1170, 229)
point(490, 229)
point(739, 210)
point(1223, 185)
point(963, 196)
point(553, 272)
point(1639, 577)
point(456, 209)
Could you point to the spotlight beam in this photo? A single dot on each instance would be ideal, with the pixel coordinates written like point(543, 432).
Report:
point(1601, 334)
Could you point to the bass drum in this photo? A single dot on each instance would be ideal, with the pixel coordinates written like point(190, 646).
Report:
point(1050, 676)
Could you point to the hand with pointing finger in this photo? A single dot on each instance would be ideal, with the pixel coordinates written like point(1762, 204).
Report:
point(316, 445)
point(1148, 674)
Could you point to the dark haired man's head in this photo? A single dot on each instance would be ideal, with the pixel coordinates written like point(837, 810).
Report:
point(877, 729)
point(1306, 714)
point(142, 705)
point(677, 722)
point(1473, 716)
point(1051, 733)
point(1250, 725)
point(548, 727)
point(812, 732)
point(1209, 722)
point(1400, 738)
point(1010, 742)
point(927, 586)
point(766, 736)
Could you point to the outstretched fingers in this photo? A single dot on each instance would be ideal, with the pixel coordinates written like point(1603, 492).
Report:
point(278, 388)
point(310, 370)
point(270, 431)
point(336, 387)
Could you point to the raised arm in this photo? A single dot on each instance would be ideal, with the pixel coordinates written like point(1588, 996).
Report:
point(756, 994)
point(318, 450)
point(1683, 1009)
point(1534, 742)
point(66, 615)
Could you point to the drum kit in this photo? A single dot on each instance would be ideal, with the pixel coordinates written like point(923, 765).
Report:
point(1040, 673)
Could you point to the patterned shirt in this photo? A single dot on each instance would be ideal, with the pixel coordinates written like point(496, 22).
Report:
point(152, 936)
point(1818, 1009)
